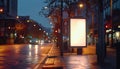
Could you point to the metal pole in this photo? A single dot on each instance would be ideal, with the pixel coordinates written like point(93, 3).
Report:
point(61, 30)
point(112, 23)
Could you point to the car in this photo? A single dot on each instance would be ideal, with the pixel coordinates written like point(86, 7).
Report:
point(34, 41)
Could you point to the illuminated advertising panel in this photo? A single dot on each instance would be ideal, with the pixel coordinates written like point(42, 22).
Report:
point(78, 32)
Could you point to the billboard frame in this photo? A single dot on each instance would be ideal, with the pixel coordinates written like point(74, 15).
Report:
point(71, 31)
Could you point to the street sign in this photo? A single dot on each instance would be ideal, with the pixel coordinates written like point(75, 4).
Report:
point(78, 32)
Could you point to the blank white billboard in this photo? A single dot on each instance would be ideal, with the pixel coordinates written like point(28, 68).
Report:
point(77, 32)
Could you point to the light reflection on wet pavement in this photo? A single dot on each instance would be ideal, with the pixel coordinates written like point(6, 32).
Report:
point(19, 57)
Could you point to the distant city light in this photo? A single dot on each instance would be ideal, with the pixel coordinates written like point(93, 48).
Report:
point(34, 25)
point(56, 31)
point(23, 37)
point(108, 30)
point(9, 27)
point(15, 34)
point(46, 33)
point(46, 7)
point(117, 34)
point(39, 29)
point(1, 9)
point(17, 17)
point(119, 26)
point(50, 22)
point(28, 21)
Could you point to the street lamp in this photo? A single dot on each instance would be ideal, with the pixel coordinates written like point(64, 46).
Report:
point(1, 10)
point(28, 21)
point(81, 5)
point(17, 17)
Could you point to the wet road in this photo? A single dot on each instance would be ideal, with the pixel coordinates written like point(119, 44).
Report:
point(19, 56)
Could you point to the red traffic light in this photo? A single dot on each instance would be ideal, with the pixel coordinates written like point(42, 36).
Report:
point(108, 24)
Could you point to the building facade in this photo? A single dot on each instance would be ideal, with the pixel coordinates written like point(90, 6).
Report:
point(8, 13)
point(112, 22)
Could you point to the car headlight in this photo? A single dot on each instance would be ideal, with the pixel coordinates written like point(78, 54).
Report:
point(30, 40)
point(36, 41)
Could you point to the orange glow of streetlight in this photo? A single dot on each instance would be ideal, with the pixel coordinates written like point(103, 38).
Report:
point(1, 9)
point(81, 5)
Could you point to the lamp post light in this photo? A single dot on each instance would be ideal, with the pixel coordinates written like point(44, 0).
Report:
point(1, 10)
point(81, 5)
point(17, 17)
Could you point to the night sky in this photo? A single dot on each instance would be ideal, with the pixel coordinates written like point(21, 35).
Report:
point(31, 8)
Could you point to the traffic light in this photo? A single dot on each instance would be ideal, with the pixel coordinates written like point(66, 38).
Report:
point(108, 24)
point(55, 32)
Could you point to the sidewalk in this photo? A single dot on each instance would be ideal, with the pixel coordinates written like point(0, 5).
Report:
point(88, 60)
point(80, 62)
